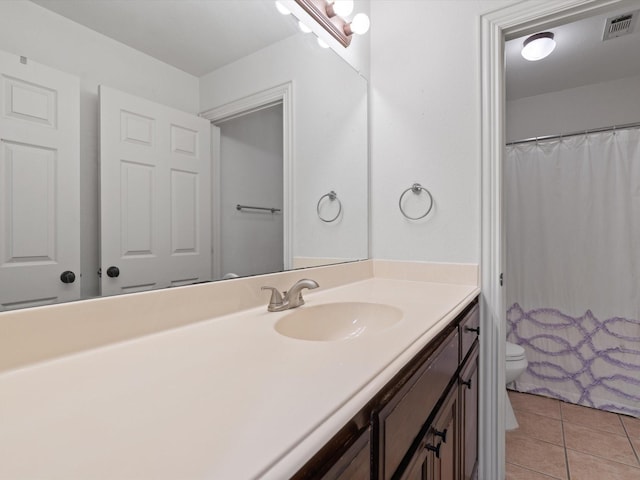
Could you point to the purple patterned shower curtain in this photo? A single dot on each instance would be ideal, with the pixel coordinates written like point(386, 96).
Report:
point(573, 267)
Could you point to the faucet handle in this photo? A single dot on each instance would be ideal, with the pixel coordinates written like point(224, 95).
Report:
point(276, 297)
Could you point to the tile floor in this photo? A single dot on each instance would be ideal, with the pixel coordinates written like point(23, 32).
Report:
point(561, 441)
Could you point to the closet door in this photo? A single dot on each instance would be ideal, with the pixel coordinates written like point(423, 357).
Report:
point(39, 184)
point(155, 179)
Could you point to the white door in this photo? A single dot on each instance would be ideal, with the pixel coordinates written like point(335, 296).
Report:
point(39, 184)
point(155, 180)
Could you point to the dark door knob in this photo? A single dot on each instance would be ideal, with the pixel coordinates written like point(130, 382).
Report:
point(67, 277)
point(113, 272)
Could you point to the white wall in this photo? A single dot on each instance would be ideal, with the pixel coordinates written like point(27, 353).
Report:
point(425, 126)
point(251, 169)
point(330, 136)
point(591, 106)
point(32, 31)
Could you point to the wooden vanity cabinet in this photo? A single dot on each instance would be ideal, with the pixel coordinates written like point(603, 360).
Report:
point(422, 425)
point(355, 463)
point(468, 383)
point(468, 398)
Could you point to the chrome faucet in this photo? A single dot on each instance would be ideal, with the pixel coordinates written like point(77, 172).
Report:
point(291, 298)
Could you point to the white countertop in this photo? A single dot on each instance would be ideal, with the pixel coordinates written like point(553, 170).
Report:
point(226, 398)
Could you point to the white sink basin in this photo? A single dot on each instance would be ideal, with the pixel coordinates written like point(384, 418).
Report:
point(337, 321)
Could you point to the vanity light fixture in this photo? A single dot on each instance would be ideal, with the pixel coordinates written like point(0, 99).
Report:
point(303, 28)
point(330, 14)
point(359, 25)
point(343, 8)
point(282, 9)
point(538, 46)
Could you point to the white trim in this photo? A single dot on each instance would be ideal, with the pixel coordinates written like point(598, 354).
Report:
point(279, 94)
point(216, 202)
point(516, 20)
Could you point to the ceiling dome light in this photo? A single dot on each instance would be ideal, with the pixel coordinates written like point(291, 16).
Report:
point(538, 46)
point(282, 9)
point(359, 25)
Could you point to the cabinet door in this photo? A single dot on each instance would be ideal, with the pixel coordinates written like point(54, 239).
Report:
point(406, 415)
point(469, 416)
point(355, 463)
point(419, 464)
point(442, 441)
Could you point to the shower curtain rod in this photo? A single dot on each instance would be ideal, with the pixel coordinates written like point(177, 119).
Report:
point(574, 134)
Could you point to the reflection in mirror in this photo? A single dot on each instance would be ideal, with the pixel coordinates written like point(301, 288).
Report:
point(131, 132)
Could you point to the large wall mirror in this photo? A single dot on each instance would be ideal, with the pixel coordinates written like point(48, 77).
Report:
point(151, 144)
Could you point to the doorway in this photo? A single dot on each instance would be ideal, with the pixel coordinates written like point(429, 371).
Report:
point(251, 193)
point(511, 22)
point(276, 105)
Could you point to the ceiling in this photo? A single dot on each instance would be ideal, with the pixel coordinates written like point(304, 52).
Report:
point(580, 58)
point(200, 36)
point(195, 36)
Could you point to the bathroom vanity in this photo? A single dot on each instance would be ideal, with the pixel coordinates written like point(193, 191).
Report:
point(198, 382)
point(422, 424)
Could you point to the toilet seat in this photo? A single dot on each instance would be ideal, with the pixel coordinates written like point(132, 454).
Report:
point(514, 352)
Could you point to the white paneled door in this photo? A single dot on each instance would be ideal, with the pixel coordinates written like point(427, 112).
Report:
point(39, 184)
point(155, 179)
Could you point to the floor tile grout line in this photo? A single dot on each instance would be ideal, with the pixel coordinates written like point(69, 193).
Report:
point(624, 434)
point(603, 458)
point(633, 448)
point(595, 429)
point(534, 471)
point(526, 437)
point(531, 437)
point(564, 446)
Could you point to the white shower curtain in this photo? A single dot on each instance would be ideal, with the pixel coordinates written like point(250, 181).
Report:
point(573, 267)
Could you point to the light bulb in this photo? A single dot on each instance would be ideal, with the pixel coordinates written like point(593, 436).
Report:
point(538, 46)
point(303, 27)
point(322, 43)
point(343, 7)
point(360, 24)
point(282, 9)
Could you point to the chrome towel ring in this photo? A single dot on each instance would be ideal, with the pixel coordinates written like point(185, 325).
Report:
point(333, 196)
point(417, 189)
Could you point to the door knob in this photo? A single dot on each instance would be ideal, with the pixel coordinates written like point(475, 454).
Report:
point(67, 277)
point(113, 272)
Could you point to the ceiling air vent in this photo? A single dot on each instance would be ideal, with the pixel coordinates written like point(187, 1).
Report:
point(620, 25)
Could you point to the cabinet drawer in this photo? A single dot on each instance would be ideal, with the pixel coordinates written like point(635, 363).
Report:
point(402, 421)
point(469, 331)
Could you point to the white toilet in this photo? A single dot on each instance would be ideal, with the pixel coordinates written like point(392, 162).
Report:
point(516, 364)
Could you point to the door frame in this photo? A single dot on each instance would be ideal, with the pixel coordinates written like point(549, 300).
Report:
point(280, 94)
point(517, 20)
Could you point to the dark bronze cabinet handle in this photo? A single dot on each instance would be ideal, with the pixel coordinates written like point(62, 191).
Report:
point(435, 449)
point(442, 434)
point(67, 277)
point(113, 272)
point(466, 383)
point(470, 329)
